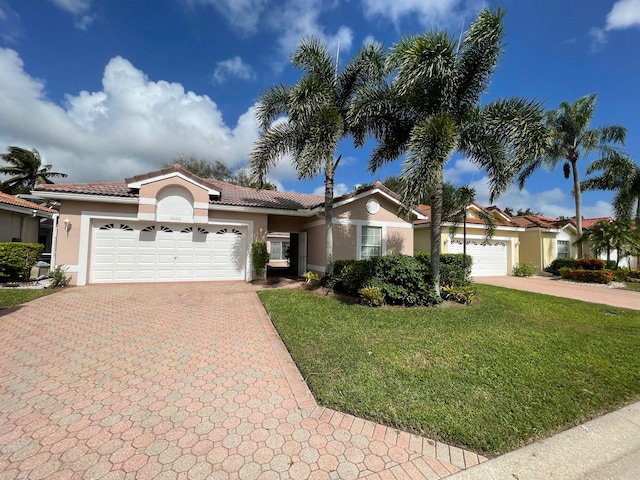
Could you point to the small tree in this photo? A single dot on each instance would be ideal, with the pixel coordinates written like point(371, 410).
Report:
point(25, 170)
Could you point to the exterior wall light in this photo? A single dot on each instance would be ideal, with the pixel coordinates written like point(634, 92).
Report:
point(67, 224)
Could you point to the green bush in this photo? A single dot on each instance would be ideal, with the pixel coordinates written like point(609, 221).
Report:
point(403, 280)
point(312, 279)
point(633, 273)
point(559, 263)
point(58, 276)
point(524, 270)
point(452, 267)
point(589, 264)
point(371, 296)
point(259, 257)
point(588, 276)
point(16, 259)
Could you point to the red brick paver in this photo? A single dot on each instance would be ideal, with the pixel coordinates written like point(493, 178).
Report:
point(178, 381)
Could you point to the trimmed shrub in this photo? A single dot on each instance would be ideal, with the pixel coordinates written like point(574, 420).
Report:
point(620, 274)
point(589, 264)
point(452, 267)
point(559, 263)
point(403, 280)
point(587, 276)
point(633, 273)
point(16, 259)
point(524, 270)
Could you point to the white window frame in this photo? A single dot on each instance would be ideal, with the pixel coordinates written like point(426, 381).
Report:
point(563, 243)
point(282, 244)
point(362, 245)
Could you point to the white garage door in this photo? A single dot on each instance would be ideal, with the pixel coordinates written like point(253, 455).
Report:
point(489, 259)
point(130, 252)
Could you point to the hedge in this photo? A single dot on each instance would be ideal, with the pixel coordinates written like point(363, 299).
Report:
point(588, 276)
point(402, 279)
point(16, 259)
point(589, 264)
point(559, 263)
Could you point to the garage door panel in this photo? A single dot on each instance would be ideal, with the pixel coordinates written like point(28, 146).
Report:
point(148, 253)
point(489, 258)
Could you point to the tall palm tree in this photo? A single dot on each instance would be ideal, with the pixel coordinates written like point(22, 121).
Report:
point(622, 175)
point(569, 138)
point(432, 109)
point(316, 120)
point(25, 170)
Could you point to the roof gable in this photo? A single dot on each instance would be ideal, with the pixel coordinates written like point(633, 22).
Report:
point(176, 171)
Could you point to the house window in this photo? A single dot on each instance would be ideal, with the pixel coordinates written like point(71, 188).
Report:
point(279, 250)
point(564, 249)
point(371, 242)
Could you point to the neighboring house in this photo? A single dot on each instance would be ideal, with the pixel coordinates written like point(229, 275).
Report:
point(493, 257)
point(170, 225)
point(626, 261)
point(25, 221)
point(544, 239)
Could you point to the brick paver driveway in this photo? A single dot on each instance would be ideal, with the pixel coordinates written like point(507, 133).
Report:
point(178, 381)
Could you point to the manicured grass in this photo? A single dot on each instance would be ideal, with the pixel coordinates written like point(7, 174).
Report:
point(513, 368)
point(634, 287)
point(10, 297)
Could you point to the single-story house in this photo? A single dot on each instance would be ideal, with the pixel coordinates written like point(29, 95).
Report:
point(493, 257)
point(171, 225)
point(544, 239)
point(25, 221)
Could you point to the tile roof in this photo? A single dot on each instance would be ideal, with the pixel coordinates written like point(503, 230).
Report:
point(19, 202)
point(589, 222)
point(230, 194)
point(426, 209)
point(539, 221)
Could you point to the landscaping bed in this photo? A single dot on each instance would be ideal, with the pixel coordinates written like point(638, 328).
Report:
point(491, 377)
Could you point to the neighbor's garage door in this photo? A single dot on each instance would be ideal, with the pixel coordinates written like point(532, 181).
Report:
point(489, 259)
point(130, 252)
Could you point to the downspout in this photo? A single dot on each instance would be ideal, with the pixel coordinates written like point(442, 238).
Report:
point(54, 240)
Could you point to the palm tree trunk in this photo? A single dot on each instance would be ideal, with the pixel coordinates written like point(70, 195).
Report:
point(577, 195)
point(328, 216)
point(436, 235)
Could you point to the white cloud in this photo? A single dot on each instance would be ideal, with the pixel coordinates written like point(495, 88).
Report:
point(10, 23)
point(132, 125)
point(462, 167)
point(428, 12)
point(551, 203)
point(290, 20)
point(233, 67)
point(243, 15)
point(623, 14)
point(75, 7)
point(339, 189)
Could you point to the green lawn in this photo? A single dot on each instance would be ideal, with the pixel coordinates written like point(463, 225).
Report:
point(635, 287)
point(10, 297)
point(513, 368)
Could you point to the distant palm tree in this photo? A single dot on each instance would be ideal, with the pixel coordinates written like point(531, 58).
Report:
point(605, 236)
point(25, 170)
point(316, 117)
point(621, 174)
point(570, 137)
point(432, 109)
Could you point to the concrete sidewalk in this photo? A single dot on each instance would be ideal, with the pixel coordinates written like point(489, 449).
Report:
point(554, 286)
point(607, 448)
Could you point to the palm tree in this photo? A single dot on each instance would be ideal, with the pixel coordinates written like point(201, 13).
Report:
point(605, 236)
point(621, 174)
point(316, 121)
point(25, 170)
point(432, 109)
point(569, 138)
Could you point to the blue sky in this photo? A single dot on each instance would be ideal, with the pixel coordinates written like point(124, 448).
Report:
point(107, 89)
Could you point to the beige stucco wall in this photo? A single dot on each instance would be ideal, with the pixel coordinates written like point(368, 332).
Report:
point(344, 242)
point(357, 210)
point(16, 225)
point(316, 245)
point(282, 223)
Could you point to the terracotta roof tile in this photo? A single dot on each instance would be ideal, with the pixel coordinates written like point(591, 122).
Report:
point(589, 222)
point(19, 202)
point(229, 194)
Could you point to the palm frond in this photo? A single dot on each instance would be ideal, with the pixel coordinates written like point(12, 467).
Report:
point(278, 140)
point(478, 56)
point(314, 58)
point(272, 104)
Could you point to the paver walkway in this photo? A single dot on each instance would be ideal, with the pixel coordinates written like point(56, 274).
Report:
point(174, 381)
point(558, 288)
